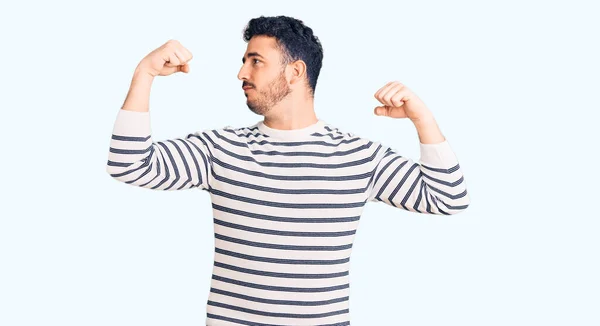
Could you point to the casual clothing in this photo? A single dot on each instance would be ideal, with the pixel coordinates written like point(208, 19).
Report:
point(286, 205)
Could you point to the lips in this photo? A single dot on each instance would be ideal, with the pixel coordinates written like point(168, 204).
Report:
point(246, 86)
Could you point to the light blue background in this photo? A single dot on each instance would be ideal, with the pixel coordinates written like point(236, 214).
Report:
point(514, 86)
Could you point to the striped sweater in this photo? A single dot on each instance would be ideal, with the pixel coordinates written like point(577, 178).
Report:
point(286, 205)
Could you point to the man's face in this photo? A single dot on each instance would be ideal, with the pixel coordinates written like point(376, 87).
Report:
point(262, 75)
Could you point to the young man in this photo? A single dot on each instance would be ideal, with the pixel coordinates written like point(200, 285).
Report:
point(287, 192)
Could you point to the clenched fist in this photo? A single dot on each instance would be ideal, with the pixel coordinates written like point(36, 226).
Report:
point(400, 102)
point(169, 58)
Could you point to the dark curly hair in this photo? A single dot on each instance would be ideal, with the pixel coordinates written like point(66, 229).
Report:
point(295, 40)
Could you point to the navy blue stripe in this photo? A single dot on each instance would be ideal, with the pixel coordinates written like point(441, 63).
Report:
point(454, 207)
point(447, 171)
point(129, 138)
point(129, 151)
point(284, 233)
point(120, 164)
point(278, 302)
point(285, 219)
point(279, 275)
point(428, 203)
point(276, 314)
point(461, 195)
point(337, 130)
point(245, 322)
point(316, 134)
point(286, 205)
point(446, 183)
point(235, 320)
point(282, 247)
point(280, 288)
point(118, 175)
point(420, 197)
point(371, 178)
point(281, 261)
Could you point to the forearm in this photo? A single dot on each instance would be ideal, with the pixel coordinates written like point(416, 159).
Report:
point(138, 97)
point(429, 131)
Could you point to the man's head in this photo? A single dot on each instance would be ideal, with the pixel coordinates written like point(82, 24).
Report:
point(283, 57)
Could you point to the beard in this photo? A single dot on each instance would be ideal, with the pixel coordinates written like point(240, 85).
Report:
point(272, 94)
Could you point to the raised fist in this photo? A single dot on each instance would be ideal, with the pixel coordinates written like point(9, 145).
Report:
point(169, 58)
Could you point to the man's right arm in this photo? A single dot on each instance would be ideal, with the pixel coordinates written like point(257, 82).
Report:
point(138, 97)
point(134, 158)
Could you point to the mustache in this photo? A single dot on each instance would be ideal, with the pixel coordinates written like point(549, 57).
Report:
point(247, 84)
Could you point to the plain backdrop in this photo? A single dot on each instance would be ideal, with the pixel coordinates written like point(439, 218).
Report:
point(514, 86)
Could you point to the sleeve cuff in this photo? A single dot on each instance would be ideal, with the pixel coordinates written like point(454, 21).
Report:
point(132, 123)
point(438, 155)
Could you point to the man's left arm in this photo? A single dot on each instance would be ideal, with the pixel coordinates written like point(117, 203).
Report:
point(434, 185)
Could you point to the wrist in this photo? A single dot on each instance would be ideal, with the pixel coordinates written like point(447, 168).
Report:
point(142, 73)
point(423, 121)
point(428, 130)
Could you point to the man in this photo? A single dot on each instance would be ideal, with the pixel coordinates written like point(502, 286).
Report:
point(287, 192)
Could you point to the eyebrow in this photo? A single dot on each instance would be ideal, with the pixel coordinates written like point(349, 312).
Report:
point(252, 54)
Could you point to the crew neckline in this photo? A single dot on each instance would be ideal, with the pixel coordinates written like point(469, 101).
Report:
point(291, 134)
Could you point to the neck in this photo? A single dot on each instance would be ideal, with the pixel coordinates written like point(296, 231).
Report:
point(292, 113)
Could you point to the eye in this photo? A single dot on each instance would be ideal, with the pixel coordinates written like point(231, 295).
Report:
point(255, 61)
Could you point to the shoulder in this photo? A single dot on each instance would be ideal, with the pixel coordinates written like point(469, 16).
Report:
point(232, 131)
point(245, 132)
point(376, 149)
point(337, 133)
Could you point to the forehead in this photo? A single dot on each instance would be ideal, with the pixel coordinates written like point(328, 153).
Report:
point(266, 46)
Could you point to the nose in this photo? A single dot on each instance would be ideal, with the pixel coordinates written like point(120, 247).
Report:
point(243, 74)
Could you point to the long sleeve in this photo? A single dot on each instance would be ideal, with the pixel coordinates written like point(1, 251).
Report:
point(174, 164)
point(434, 185)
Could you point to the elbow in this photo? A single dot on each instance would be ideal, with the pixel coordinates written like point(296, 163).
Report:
point(118, 170)
point(459, 209)
point(453, 205)
point(460, 204)
point(114, 167)
point(112, 170)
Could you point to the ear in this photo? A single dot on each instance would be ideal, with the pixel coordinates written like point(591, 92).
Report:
point(297, 71)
